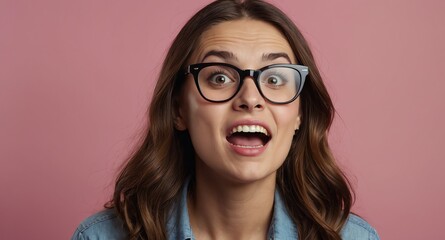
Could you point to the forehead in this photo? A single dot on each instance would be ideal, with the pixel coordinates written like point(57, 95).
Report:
point(247, 39)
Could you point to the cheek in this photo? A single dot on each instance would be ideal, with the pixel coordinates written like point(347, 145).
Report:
point(203, 119)
point(205, 125)
point(288, 117)
point(190, 103)
point(199, 113)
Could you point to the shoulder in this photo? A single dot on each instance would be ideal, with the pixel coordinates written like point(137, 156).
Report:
point(357, 228)
point(103, 225)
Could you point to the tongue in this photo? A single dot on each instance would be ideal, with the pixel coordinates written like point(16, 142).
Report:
point(245, 140)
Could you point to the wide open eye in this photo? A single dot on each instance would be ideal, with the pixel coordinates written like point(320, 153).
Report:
point(274, 80)
point(218, 77)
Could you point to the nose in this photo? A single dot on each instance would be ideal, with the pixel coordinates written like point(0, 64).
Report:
point(248, 98)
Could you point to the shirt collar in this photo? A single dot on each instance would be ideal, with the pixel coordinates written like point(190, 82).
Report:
point(282, 226)
point(178, 224)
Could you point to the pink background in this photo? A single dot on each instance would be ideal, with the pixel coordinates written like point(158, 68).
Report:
point(76, 77)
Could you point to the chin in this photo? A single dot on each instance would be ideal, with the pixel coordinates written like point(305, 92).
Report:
point(247, 176)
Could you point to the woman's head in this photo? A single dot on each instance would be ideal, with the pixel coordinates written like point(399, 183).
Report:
point(314, 189)
point(243, 137)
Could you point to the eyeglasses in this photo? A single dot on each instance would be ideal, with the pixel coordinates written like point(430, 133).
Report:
point(220, 82)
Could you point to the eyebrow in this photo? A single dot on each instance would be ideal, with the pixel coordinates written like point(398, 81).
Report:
point(221, 54)
point(273, 56)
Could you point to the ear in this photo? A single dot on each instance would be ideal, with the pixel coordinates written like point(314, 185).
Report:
point(297, 123)
point(180, 124)
point(179, 120)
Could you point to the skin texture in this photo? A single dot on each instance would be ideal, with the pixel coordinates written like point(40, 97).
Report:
point(232, 187)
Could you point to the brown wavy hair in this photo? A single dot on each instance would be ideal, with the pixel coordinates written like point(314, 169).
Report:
point(316, 192)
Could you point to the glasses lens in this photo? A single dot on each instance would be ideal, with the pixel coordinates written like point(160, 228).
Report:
point(280, 84)
point(218, 83)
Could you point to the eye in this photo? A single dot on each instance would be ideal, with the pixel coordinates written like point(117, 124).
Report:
point(275, 80)
point(219, 79)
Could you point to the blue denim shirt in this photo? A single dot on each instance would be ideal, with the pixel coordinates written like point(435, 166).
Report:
point(107, 225)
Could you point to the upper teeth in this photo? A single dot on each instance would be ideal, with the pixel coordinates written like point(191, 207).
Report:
point(250, 128)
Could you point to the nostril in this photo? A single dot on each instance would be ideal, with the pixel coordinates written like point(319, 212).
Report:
point(259, 106)
point(244, 106)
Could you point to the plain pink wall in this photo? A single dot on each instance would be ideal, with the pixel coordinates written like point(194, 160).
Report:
point(76, 77)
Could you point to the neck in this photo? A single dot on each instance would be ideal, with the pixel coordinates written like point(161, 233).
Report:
point(220, 209)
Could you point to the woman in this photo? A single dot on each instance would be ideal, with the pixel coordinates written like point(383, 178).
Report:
point(236, 147)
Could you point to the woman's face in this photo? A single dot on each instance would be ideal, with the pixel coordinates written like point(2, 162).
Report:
point(242, 157)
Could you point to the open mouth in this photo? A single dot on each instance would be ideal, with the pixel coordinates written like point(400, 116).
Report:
point(249, 136)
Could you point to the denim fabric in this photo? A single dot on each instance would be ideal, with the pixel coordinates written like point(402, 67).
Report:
point(107, 225)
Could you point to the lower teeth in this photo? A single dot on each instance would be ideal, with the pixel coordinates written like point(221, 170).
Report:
point(245, 146)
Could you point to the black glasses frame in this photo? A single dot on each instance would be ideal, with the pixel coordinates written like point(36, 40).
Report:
point(194, 69)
